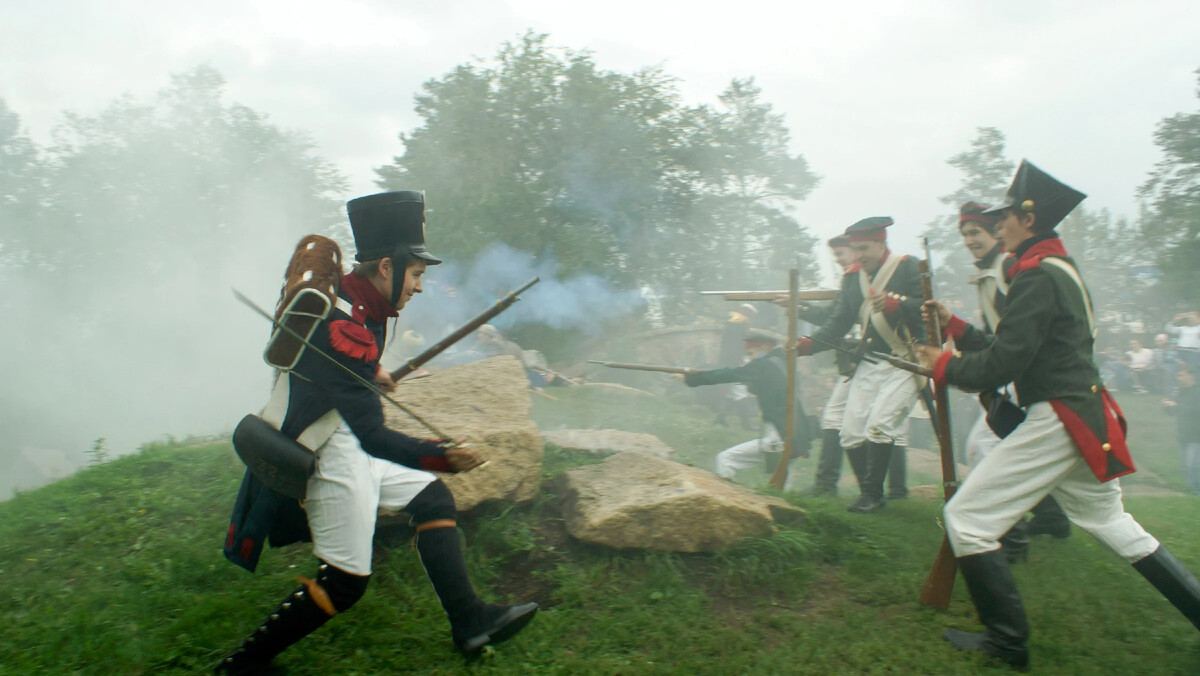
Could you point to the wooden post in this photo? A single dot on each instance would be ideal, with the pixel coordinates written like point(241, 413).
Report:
point(780, 476)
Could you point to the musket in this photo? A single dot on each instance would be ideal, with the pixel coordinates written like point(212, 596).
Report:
point(556, 374)
point(779, 476)
point(643, 367)
point(939, 585)
point(903, 364)
point(801, 296)
point(460, 333)
point(368, 384)
point(861, 356)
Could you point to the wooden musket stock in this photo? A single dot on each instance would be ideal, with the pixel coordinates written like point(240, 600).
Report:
point(939, 585)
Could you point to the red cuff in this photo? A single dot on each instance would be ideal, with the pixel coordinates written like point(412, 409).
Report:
point(435, 463)
point(804, 347)
point(954, 329)
point(939, 369)
point(890, 306)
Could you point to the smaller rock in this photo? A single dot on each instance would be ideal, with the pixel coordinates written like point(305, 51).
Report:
point(608, 442)
point(634, 501)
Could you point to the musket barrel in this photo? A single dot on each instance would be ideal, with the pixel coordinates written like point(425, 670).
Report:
point(460, 333)
point(819, 294)
point(903, 364)
point(642, 367)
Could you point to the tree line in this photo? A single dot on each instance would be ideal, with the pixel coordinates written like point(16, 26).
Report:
point(538, 148)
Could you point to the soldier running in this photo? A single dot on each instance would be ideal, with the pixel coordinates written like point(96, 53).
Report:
point(1072, 440)
point(361, 464)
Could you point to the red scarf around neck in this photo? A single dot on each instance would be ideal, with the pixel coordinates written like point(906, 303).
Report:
point(368, 302)
point(1034, 255)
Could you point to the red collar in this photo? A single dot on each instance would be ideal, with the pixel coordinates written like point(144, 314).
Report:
point(852, 269)
point(368, 302)
point(1034, 255)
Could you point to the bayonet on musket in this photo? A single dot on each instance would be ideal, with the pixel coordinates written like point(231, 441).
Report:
point(644, 367)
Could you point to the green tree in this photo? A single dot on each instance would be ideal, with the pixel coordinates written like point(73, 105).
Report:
point(749, 183)
point(20, 191)
point(1115, 262)
point(145, 213)
point(986, 175)
point(1173, 191)
point(605, 172)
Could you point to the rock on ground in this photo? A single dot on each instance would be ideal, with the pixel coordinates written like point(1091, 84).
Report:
point(608, 442)
point(488, 402)
point(641, 502)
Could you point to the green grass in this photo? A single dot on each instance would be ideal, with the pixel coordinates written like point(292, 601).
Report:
point(118, 570)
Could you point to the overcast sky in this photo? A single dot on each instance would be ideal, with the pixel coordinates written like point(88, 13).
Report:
point(877, 93)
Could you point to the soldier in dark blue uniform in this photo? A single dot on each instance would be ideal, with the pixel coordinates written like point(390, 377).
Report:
point(765, 376)
point(1071, 442)
point(361, 465)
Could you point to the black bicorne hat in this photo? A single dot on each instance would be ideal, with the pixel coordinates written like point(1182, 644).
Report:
point(388, 224)
point(1034, 191)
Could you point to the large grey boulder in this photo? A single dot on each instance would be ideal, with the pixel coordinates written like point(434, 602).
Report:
point(608, 442)
point(638, 501)
point(488, 402)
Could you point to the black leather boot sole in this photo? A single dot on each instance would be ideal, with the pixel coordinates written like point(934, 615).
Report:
point(498, 630)
point(972, 642)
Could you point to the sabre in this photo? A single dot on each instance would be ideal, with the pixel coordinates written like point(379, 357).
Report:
point(371, 386)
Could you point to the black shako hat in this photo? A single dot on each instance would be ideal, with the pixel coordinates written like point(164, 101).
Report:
point(873, 229)
point(838, 240)
point(389, 224)
point(1034, 191)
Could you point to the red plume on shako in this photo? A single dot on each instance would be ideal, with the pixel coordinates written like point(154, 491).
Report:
point(309, 290)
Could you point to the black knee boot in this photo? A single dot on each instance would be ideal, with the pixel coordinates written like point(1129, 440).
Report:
point(1173, 581)
point(300, 614)
point(829, 466)
point(1015, 543)
point(878, 457)
point(994, 592)
point(1049, 519)
point(858, 463)
point(473, 623)
point(898, 474)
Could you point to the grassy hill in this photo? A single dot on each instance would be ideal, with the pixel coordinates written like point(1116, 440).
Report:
point(118, 569)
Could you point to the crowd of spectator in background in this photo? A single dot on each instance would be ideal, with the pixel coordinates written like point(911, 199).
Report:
point(1169, 369)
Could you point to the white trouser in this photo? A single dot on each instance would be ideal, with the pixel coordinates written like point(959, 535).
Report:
point(751, 453)
point(345, 494)
point(881, 397)
point(835, 406)
point(1037, 459)
point(980, 441)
